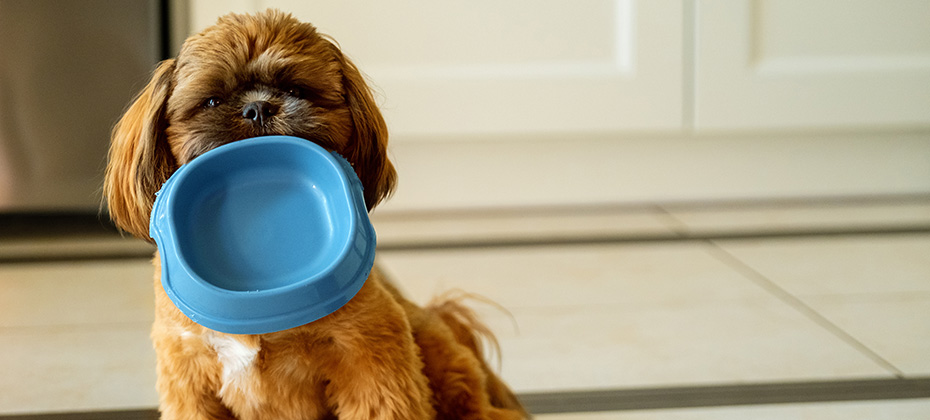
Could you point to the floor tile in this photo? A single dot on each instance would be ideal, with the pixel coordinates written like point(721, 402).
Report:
point(74, 293)
point(862, 264)
point(630, 315)
point(895, 327)
point(608, 346)
point(803, 216)
point(628, 274)
point(874, 288)
point(859, 410)
point(49, 369)
point(75, 336)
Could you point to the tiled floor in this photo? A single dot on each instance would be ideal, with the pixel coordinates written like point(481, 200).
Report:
point(622, 298)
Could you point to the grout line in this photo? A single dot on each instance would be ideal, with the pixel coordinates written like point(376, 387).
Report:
point(770, 286)
point(78, 225)
point(677, 234)
point(753, 394)
point(672, 222)
point(690, 205)
point(726, 395)
point(426, 245)
point(115, 326)
point(140, 414)
point(73, 257)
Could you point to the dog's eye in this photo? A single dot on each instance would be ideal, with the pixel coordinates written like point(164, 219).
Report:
point(295, 92)
point(212, 102)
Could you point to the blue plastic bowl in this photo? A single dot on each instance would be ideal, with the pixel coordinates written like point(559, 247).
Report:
point(262, 235)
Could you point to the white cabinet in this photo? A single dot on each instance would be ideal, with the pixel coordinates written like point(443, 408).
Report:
point(812, 64)
point(549, 102)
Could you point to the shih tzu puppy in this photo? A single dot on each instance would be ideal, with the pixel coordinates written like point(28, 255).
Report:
point(379, 356)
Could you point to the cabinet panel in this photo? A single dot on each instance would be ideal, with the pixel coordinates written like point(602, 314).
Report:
point(812, 64)
point(524, 66)
point(841, 29)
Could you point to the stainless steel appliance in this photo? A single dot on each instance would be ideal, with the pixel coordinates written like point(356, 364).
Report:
point(67, 71)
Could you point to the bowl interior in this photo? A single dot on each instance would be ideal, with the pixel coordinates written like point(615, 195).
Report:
point(256, 221)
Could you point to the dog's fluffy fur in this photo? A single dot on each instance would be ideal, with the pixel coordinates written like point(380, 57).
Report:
point(378, 357)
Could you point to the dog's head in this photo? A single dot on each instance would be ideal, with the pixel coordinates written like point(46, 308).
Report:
point(246, 76)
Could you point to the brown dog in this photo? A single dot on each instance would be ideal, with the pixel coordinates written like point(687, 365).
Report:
point(377, 357)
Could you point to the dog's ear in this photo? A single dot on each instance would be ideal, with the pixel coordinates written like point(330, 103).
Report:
point(367, 148)
point(140, 158)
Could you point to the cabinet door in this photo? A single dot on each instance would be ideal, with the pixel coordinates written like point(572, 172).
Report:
point(529, 66)
point(812, 64)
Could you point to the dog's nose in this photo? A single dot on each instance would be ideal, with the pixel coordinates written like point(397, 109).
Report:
point(258, 112)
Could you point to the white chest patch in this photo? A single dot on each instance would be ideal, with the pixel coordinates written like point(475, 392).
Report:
point(239, 373)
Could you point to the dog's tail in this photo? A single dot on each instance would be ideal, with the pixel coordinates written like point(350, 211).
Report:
point(474, 334)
